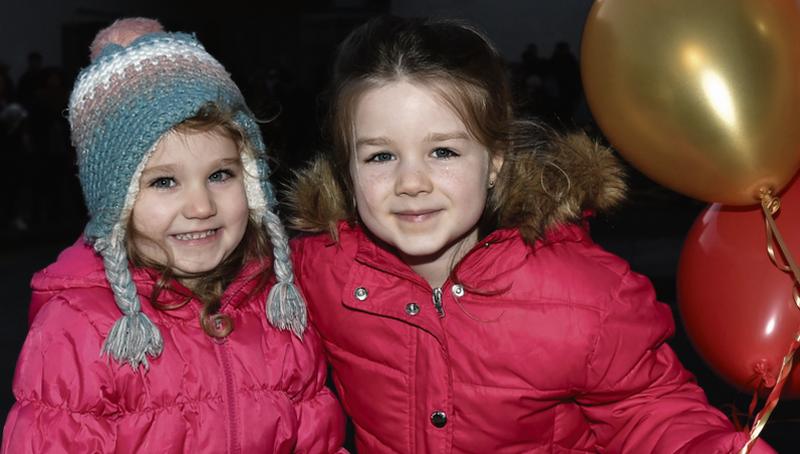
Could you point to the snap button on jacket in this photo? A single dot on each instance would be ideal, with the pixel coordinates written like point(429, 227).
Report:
point(554, 347)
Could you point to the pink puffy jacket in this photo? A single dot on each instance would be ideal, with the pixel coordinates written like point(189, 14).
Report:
point(258, 390)
point(551, 348)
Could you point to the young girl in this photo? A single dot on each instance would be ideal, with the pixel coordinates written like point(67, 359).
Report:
point(180, 237)
point(461, 301)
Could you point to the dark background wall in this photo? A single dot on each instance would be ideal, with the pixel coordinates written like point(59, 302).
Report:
point(279, 53)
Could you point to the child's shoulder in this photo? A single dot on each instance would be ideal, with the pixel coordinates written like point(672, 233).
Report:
point(76, 264)
point(76, 279)
point(346, 241)
point(568, 254)
point(572, 269)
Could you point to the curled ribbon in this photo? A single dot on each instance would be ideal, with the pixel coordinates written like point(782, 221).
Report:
point(770, 204)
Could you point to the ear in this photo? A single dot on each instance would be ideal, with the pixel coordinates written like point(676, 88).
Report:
point(495, 164)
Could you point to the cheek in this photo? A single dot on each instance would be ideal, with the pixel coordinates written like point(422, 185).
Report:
point(148, 226)
point(467, 177)
point(148, 215)
point(237, 201)
point(368, 184)
point(467, 186)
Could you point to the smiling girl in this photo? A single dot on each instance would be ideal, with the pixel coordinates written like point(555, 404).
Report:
point(173, 324)
point(462, 304)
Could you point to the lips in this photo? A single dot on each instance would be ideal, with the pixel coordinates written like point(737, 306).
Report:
point(416, 215)
point(194, 236)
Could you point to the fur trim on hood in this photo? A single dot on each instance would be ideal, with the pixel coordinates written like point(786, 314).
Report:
point(550, 182)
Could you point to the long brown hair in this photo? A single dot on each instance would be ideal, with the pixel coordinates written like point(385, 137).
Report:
point(209, 286)
point(454, 59)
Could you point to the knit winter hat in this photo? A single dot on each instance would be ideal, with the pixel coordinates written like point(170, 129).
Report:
point(141, 83)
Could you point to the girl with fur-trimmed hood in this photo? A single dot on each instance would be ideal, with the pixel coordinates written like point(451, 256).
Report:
point(461, 301)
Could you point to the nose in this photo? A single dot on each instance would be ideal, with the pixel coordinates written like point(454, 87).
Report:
point(199, 203)
point(413, 178)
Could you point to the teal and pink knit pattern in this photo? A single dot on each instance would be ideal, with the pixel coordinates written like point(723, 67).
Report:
point(128, 98)
point(121, 106)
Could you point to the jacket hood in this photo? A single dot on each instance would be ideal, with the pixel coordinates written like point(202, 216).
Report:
point(552, 181)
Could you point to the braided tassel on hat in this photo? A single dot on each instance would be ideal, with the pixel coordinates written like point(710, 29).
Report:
point(133, 335)
point(285, 306)
point(143, 82)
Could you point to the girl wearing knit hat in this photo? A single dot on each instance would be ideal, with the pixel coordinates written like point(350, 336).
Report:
point(173, 324)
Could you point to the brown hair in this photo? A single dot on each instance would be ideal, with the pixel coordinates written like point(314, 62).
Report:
point(547, 178)
point(209, 286)
point(455, 60)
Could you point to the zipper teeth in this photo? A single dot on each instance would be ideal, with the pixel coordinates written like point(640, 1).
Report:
point(437, 301)
point(233, 422)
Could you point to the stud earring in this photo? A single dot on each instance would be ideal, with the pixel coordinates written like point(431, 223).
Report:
point(491, 182)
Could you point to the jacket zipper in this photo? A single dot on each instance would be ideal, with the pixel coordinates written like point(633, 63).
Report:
point(233, 419)
point(437, 301)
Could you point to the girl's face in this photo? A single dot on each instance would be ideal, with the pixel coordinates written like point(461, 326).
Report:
point(191, 202)
point(420, 178)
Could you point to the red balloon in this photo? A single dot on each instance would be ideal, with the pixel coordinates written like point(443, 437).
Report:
point(736, 305)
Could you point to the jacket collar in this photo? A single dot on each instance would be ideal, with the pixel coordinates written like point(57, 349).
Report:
point(481, 264)
point(175, 293)
point(79, 266)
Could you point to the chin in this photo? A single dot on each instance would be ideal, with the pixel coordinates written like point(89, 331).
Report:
point(194, 268)
point(423, 251)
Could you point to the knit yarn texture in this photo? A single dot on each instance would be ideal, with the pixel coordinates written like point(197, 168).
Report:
point(128, 98)
point(121, 106)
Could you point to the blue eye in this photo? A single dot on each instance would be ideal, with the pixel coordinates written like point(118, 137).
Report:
point(443, 153)
point(382, 156)
point(221, 175)
point(162, 183)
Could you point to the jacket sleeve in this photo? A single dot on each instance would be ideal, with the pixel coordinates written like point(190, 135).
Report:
point(61, 387)
point(320, 417)
point(638, 396)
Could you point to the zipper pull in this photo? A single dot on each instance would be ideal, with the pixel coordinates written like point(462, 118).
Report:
point(437, 301)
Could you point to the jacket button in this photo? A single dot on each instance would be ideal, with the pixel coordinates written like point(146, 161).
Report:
point(361, 293)
point(412, 309)
point(438, 419)
point(458, 290)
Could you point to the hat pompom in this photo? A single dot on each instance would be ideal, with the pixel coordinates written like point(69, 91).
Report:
point(122, 32)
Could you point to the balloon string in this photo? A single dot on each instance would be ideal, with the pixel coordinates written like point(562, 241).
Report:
point(774, 396)
point(771, 205)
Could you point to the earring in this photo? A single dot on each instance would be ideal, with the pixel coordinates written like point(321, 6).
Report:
point(491, 182)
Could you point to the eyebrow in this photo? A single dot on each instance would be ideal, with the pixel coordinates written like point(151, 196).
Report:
point(166, 168)
point(374, 141)
point(444, 136)
point(172, 168)
point(432, 137)
point(230, 161)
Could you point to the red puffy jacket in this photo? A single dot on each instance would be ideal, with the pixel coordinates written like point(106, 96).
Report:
point(548, 344)
point(556, 347)
point(258, 390)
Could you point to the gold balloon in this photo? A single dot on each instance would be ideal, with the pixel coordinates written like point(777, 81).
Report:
point(703, 96)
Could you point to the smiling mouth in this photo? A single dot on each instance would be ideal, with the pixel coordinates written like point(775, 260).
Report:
point(189, 236)
point(416, 216)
